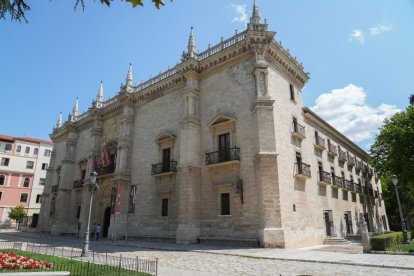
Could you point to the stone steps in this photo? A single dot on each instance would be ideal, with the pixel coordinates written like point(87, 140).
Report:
point(335, 241)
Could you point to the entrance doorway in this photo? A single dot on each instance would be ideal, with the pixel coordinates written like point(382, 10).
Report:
point(327, 215)
point(106, 222)
point(35, 219)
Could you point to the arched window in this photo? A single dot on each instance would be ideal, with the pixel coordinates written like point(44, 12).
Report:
point(26, 182)
point(27, 150)
point(36, 151)
point(19, 148)
point(2, 179)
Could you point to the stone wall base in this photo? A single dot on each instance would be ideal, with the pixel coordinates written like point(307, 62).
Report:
point(187, 235)
point(272, 237)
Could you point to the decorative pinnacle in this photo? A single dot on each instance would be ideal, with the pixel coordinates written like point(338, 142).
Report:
point(129, 76)
point(99, 97)
point(191, 44)
point(75, 108)
point(255, 14)
point(59, 122)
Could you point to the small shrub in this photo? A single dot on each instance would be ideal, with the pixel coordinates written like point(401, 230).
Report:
point(382, 242)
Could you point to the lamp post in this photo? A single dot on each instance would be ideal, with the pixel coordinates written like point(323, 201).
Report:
point(404, 229)
point(92, 187)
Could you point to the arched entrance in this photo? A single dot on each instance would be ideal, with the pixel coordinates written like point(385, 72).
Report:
point(106, 222)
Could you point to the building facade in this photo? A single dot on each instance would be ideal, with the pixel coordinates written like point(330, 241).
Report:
point(218, 148)
point(23, 166)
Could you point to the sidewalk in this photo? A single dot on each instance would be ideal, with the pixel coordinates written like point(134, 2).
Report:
point(315, 254)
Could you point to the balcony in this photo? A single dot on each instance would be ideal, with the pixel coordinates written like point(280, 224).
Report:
point(229, 156)
point(351, 160)
point(298, 131)
point(302, 170)
point(349, 185)
point(77, 184)
point(358, 188)
point(55, 188)
point(342, 155)
point(332, 150)
point(165, 168)
point(105, 170)
point(358, 164)
point(338, 181)
point(324, 178)
point(319, 143)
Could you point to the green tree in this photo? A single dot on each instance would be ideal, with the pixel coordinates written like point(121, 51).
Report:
point(17, 213)
point(17, 9)
point(393, 153)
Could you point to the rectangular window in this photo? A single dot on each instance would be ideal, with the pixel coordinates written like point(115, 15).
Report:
point(41, 181)
point(5, 161)
point(353, 197)
point(23, 197)
point(224, 147)
point(27, 151)
point(83, 174)
point(78, 212)
point(1, 194)
point(38, 198)
point(132, 195)
point(164, 207)
point(29, 165)
point(225, 204)
point(47, 152)
point(36, 151)
point(44, 166)
point(345, 195)
point(292, 92)
point(8, 147)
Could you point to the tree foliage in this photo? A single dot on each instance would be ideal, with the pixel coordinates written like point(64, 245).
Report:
point(17, 213)
point(393, 154)
point(17, 9)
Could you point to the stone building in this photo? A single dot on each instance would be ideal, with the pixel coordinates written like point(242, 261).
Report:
point(218, 148)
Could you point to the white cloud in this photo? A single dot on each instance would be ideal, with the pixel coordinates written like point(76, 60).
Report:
point(358, 35)
point(241, 15)
point(380, 28)
point(346, 110)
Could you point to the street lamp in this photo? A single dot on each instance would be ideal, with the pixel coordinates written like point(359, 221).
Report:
point(92, 187)
point(404, 229)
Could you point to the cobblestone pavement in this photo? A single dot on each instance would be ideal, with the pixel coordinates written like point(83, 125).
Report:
point(206, 260)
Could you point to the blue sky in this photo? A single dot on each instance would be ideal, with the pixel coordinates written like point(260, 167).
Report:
point(359, 54)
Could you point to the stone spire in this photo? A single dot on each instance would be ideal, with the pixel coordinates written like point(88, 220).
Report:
point(191, 44)
point(59, 122)
point(75, 109)
point(256, 23)
point(255, 19)
point(129, 76)
point(99, 97)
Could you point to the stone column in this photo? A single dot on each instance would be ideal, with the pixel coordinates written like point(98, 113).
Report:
point(62, 216)
point(271, 233)
point(189, 168)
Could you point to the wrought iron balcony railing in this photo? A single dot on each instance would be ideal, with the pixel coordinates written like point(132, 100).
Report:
point(351, 160)
point(215, 157)
point(332, 150)
point(342, 155)
point(339, 181)
point(298, 130)
point(349, 185)
point(105, 170)
point(302, 170)
point(78, 184)
point(55, 188)
point(320, 142)
point(166, 167)
point(324, 177)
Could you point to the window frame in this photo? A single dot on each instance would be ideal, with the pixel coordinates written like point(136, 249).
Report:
point(29, 162)
point(222, 207)
point(26, 182)
point(18, 148)
point(164, 207)
point(2, 176)
point(21, 195)
point(27, 150)
point(39, 198)
point(36, 151)
point(6, 161)
point(292, 93)
point(8, 147)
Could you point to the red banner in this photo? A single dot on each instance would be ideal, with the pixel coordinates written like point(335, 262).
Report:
point(119, 192)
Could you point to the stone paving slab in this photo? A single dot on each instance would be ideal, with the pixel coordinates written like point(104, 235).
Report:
point(206, 260)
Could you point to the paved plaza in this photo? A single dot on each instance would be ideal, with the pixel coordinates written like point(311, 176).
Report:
point(225, 260)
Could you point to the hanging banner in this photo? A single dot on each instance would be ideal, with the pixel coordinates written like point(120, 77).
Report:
point(119, 192)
